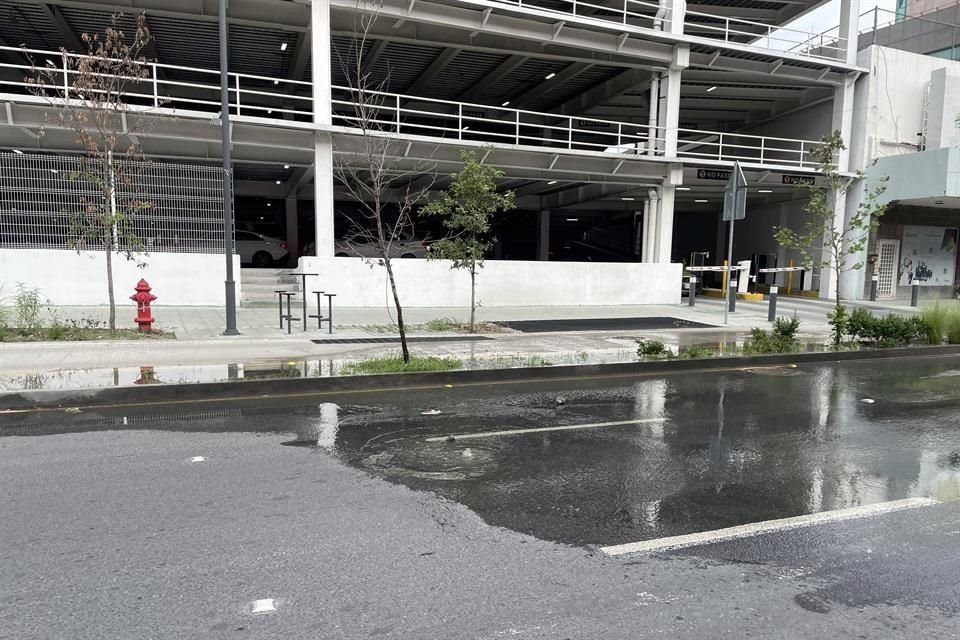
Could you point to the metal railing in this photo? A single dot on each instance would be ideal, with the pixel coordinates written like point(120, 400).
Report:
point(640, 13)
point(421, 116)
point(43, 197)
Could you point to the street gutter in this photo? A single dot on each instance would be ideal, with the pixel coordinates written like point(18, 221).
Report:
point(51, 400)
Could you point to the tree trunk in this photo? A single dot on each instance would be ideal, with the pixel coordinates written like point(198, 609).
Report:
point(473, 297)
point(112, 322)
point(396, 303)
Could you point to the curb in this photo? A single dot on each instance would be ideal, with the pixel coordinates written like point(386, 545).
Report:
point(251, 389)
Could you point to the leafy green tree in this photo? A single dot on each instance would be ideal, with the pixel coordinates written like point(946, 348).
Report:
point(827, 245)
point(467, 208)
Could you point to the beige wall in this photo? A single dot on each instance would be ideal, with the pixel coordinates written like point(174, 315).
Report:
point(918, 7)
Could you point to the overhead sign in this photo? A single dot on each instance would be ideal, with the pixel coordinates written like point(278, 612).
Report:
point(807, 180)
point(713, 174)
point(735, 195)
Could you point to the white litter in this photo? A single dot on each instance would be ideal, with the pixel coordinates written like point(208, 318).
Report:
point(467, 453)
point(198, 459)
point(263, 606)
point(431, 412)
point(868, 401)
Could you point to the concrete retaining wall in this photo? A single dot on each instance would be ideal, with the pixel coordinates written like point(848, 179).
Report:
point(501, 283)
point(69, 278)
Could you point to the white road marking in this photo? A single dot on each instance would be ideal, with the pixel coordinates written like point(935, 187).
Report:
point(198, 459)
point(564, 427)
point(758, 528)
point(263, 606)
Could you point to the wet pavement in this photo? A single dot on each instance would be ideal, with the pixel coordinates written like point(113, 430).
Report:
point(474, 511)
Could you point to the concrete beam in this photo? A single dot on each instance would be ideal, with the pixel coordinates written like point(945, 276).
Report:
point(570, 72)
point(439, 64)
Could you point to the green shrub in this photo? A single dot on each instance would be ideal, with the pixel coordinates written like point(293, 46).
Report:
point(936, 317)
point(56, 332)
point(27, 304)
point(839, 319)
point(697, 352)
point(652, 349)
point(783, 338)
point(952, 325)
point(890, 330)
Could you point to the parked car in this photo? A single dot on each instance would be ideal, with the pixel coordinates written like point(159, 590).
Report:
point(260, 250)
point(405, 246)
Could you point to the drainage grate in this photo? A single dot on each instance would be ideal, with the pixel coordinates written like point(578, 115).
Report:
point(396, 340)
point(604, 324)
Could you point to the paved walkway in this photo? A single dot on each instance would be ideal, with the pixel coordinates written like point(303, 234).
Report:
point(202, 353)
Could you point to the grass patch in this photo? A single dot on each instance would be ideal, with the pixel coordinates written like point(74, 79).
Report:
point(943, 322)
point(395, 364)
point(63, 333)
point(452, 325)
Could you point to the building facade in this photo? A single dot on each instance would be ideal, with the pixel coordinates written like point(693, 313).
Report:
point(616, 123)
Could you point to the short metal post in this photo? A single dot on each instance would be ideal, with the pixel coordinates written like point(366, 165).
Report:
point(289, 315)
point(280, 293)
point(772, 312)
point(732, 292)
point(915, 294)
point(874, 285)
point(692, 295)
point(329, 311)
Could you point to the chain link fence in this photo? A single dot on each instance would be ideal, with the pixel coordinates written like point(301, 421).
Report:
point(42, 197)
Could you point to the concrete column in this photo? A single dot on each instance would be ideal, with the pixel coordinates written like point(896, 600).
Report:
point(849, 28)
point(322, 117)
point(669, 110)
point(650, 241)
point(676, 14)
point(543, 235)
point(645, 233)
point(293, 231)
point(853, 281)
point(664, 237)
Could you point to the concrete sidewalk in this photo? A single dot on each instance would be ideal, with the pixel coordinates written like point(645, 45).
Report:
point(202, 353)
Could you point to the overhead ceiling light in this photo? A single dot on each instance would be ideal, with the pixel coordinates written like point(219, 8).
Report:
point(278, 182)
point(466, 128)
point(627, 198)
point(504, 103)
point(269, 112)
point(18, 152)
point(764, 190)
point(701, 201)
point(550, 76)
point(276, 82)
point(573, 219)
point(269, 204)
point(283, 46)
point(286, 166)
point(713, 88)
point(552, 182)
point(683, 188)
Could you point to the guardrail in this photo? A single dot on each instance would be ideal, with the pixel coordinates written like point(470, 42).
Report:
point(641, 13)
point(393, 113)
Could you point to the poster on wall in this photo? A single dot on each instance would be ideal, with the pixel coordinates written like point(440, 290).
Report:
point(928, 255)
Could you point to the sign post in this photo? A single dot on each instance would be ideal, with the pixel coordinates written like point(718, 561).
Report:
point(734, 208)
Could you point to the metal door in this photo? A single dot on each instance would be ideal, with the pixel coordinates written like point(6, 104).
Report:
point(889, 257)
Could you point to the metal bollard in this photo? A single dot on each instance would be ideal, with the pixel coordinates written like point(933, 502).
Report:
point(915, 294)
point(874, 285)
point(772, 312)
point(692, 295)
point(733, 295)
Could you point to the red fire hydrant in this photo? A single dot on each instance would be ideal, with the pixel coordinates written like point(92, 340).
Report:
point(143, 298)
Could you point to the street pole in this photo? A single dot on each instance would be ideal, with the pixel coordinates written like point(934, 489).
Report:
point(229, 284)
point(726, 304)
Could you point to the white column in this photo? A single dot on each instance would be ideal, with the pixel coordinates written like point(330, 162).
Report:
point(849, 28)
point(322, 117)
point(664, 238)
point(645, 233)
point(650, 241)
point(543, 235)
point(677, 13)
point(293, 231)
point(842, 121)
point(669, 109)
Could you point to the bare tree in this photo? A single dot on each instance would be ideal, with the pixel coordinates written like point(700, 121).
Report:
point(91, 93)
point(387, 189)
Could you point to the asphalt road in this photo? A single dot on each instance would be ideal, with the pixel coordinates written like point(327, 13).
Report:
point(365, 530)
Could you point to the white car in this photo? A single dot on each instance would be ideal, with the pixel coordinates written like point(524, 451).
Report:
point(260, 250)
point(404, 246)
